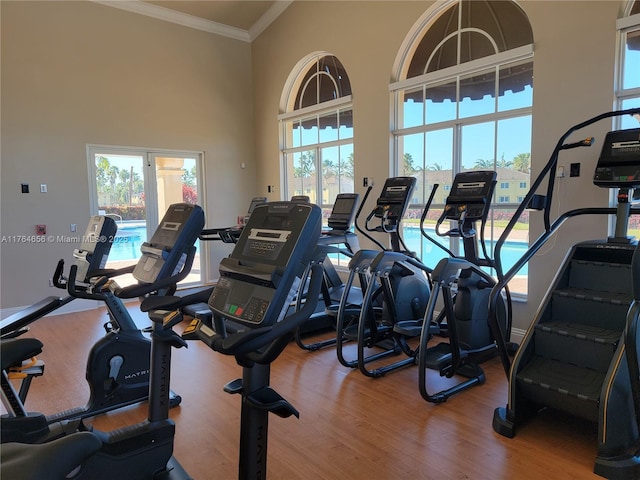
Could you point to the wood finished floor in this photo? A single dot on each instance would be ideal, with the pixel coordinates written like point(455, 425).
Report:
point(350, 426)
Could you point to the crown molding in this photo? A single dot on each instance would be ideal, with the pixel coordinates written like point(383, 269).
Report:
point(268, 18)
point(180, 18)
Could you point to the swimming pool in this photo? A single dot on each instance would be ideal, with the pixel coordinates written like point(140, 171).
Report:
point(127, 242)
point(511, 251)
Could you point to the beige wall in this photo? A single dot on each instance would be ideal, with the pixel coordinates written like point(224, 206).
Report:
point(573, 80)
point(78, 73)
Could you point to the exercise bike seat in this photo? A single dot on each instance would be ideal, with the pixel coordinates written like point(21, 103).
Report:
point(15, 350)
point(52, 460)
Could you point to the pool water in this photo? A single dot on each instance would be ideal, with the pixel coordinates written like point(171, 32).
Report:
point(510, 252)
point(127, 242)
point(129, 239)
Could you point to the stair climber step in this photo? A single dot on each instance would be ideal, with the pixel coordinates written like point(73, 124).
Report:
point(607, 277)
point(590, 307)
point(562, 386)
point(582, 345)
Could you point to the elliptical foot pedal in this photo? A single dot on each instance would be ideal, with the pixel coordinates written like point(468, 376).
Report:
point(472, 370)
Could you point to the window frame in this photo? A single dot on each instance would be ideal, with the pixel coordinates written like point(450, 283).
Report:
point(290, 115)
point(445, 76)
point(153, 216)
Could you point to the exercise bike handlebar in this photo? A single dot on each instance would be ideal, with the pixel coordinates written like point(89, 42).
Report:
point(59, 279)
point(131, 291)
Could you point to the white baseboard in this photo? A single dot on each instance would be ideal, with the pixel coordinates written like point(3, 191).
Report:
point(517, 334)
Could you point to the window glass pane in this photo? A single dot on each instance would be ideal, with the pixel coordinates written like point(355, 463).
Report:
point(441, 102)
point(411, 152)
point(474, 45)
point(445, 56)
point(303, 174)
point(295, 135)
point(477, 94)
point(441, 28)
point(514, 167)
point(309, 131)
point(291, 134)
point(346, 169)
point(346, 124)
point(412, 112)
point(628, 121)
point(516, 86)
point(411, 155)
point(631, 75)
point(328, 127)
point(329, 157)
point(477, 146)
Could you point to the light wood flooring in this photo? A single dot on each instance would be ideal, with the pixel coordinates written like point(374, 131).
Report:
point(350, 427)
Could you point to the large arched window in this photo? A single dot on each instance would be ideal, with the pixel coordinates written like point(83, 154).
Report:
point(316, 127)
point(462, 100)
point(628, 78)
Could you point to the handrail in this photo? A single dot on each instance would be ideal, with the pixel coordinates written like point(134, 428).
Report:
point(550, 228)
point(632, 335)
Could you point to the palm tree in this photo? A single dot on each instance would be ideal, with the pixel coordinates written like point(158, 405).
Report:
point(408, 165)
point(522, 162)
point(306, 167)
point(504, 163)
point(481, 163)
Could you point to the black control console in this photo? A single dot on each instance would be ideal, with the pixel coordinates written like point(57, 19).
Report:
point(619, 162)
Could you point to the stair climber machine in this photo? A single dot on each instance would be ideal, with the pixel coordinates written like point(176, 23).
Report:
point(337, 239)
point(466, 310)
point(396, 288)
point(143, 451)
point(580, 353)
point(257, 283)
point(118, 364)
point(92, 255)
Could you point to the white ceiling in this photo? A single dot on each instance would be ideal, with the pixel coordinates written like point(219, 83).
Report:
point(239, 19)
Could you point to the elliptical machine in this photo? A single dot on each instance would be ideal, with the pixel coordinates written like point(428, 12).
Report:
point(466, 310)
point(338, 239)
point(118, 364)
point(396, 288)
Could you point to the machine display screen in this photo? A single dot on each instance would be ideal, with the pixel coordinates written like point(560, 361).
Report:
point(265, 238)
point(619, 162)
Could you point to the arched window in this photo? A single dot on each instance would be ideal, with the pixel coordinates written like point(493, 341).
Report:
point(316, 127)
point(628, 78)
point(462, 100)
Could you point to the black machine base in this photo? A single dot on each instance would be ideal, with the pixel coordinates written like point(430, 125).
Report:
point(501, 424)
point(623, 467)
